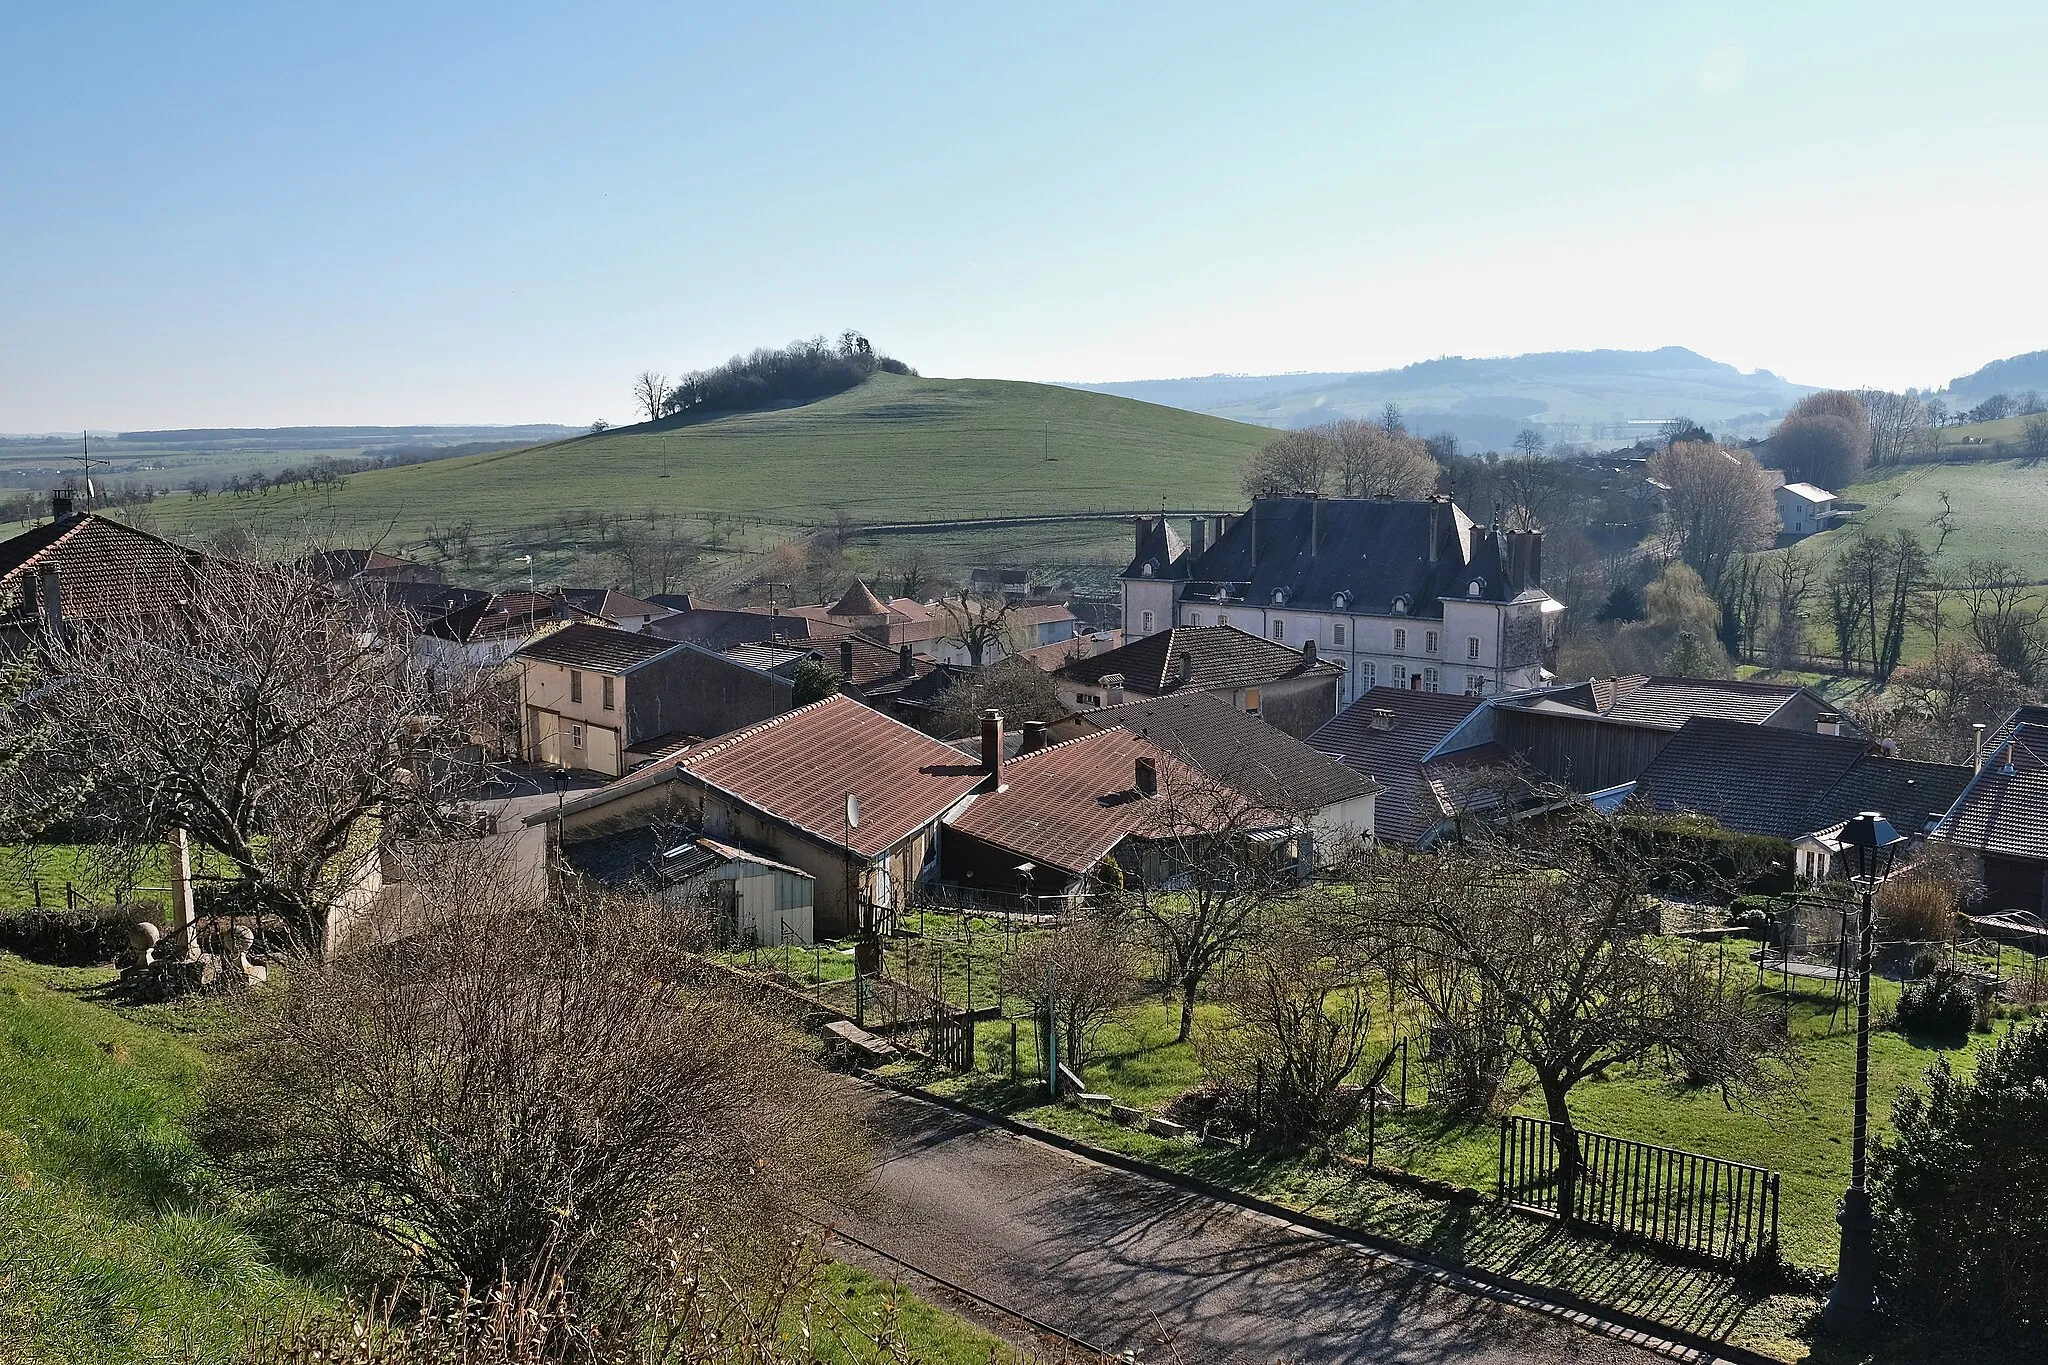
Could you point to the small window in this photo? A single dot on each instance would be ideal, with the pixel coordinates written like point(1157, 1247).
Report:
point(1194, 618)
point(1279, 629)
point(1366, 674)
point(1222, 619)
point(1251, 701)
point(1475, 684)
point(1471, 646)
point(1337, 633)
point(609, 695)
point(1400, 639)
point(576, 736)
point(1429, 642)
point(1147, 626)
point(575, 688)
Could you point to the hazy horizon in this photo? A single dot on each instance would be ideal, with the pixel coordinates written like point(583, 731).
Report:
point(477, 214)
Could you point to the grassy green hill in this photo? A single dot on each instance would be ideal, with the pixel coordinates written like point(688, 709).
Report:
point(1998, 506)
point(895, 448)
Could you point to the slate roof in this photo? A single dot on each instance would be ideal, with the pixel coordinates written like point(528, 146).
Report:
point(2006, 813)
point(1394, 757)
point(602, 649)
point(800, 766)
point(1209, 733)
point(103, 567)
point(493, 618)
point(1373, 550)
point(609, 603)
point(1223, 657)
point(1787, 783)
point(770, 655)
point(1161, 553)
point(1661, 703)
point(1068, 805)
point(719, 629)
point(430, 601)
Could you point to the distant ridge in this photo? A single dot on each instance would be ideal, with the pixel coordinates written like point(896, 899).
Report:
point(2014, 375)
point(1599, 395)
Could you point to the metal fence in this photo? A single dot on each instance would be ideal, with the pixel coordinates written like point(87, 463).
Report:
point(1723, 1210)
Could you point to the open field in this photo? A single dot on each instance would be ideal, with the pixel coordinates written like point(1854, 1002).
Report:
point(894, 448)
point(1999, 507)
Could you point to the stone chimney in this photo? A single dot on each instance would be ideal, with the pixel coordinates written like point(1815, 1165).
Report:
point(1827, 723)
point(1113, 689)
point(846, 659)
point(1315, 524)
point(1977, 737)
point(1436, 521)
point(1308, 653)
point(61, 504)
point(1198, 536)
point(1034, 737)
point(1143, 528)
point(1184, 667)
point(1382, 718)
point(1147, 775)
point(50, 592)
point(906, 663)
point(992, 747)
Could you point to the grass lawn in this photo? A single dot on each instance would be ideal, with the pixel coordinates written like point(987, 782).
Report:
point(94, 879)
point(1997, 504)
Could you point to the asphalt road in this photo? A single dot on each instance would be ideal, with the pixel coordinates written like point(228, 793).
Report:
point(1127, 1263)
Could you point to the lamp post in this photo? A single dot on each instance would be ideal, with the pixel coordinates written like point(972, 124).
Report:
point(1868, 845)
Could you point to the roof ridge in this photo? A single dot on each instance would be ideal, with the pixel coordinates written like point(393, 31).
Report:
point(734, 737)
point(1083, 739)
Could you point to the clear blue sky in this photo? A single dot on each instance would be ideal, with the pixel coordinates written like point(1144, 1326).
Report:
point(279, 213)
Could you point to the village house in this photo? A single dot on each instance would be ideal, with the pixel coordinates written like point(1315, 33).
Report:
point(847, 795)
point(600, 699)
point(623, 610)
point(484, 634)
point(754, 898)
point(368, 566)
point(79, 567)
point(1803, 509)
point(1202, 730)
point(1400, 592)
point(2002, 815)
point(1293, 689)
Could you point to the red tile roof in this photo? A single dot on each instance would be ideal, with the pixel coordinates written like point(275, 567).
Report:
point(800, 766)
point(103, 567)
point(1069, 805)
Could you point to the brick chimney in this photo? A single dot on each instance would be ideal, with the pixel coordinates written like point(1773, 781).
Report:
point(846, 659)
point(1034, 737)
point(61, 504)
point(992, 747)
point(1146, 778)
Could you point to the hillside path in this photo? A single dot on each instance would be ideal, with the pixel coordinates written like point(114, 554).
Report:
point(1128, 1263)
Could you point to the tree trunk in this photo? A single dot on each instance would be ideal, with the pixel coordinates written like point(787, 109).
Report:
point(1567, 1139)
point(1188, 984)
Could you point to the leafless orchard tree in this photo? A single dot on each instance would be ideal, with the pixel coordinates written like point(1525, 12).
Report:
point(1720, 504)
point(650, 394)
point(285, 723)
point(522, 1083)
point(1300, 1024)
point(1547, 940)
point(1791, 577)
point(1085, 968)
point(983, 624)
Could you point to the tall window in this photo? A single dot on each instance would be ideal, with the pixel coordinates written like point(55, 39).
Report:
point(1400, 675)
point(1194, 618)
point(575, 685)
point(1475, 684)
point(1337, 633)
point(1147, 627)
point(1471, 646)
point(1279, 629)
point(1366, 675)
point(1429, 680)
point(608, 694)
point(1400, 639)
point(1429, 642)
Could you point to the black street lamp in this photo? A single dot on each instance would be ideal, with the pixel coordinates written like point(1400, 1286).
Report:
point(1868, 845)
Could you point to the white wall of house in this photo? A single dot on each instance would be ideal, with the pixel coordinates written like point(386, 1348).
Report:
point(1148, 607)
point(566, 720)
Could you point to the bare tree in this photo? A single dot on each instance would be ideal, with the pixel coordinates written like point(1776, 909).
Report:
point(523, 1081)
point(1300, 1023)
point(983, 624)
point(1791, 576)
point(650, 394)
point(1376, 461)
point(1951, 690)
point(1898, 421)
point(2034, 437)
point(1529, 442)
point(1084, 970)
point(1530, 488)
point(913, 570)
point(1391, 419)
point(1549, 938)
point(1719, 505)
point(285, 723)
point(1292, 463)
point(1218, 872)
point(1018, 688)
point(2008, 618)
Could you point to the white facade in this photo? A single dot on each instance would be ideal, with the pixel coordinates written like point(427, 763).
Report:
point(1803, 509)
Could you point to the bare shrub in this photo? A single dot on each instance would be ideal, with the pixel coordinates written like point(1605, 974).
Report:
point(512, 1082)
point(1085, 969)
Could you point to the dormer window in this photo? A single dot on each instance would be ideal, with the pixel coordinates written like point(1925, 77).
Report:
point(1341, 601)
point(1279, 597)
point(1400, 606)
point(1477, 586)
point(1149, 569)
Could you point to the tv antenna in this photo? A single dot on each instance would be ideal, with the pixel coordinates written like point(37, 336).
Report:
point(85, 461)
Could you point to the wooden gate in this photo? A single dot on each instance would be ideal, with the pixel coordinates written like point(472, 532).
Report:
point(952, 1038)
